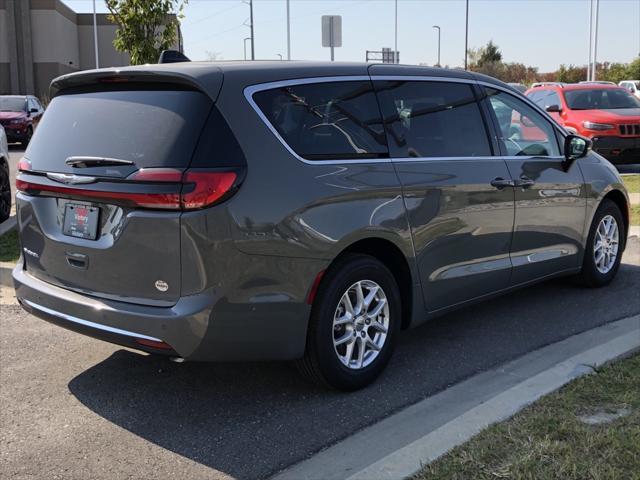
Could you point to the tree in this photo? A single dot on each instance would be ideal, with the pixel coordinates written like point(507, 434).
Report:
point(145, 27)
point(489, 54)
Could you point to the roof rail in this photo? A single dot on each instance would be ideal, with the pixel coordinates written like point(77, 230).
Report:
point(172, 56)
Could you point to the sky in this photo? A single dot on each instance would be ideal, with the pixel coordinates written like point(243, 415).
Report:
point(541, 33)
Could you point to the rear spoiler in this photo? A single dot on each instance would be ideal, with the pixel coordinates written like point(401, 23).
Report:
point(172, 56)
point(203, 77)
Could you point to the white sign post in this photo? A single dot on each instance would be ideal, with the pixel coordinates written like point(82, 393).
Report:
point(331, 32)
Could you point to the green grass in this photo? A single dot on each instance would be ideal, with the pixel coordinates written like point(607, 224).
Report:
point(635, 214)
point(632, 182)
point(9, 247)
point(548, 441)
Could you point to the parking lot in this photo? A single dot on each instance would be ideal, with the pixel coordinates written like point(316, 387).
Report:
point(74, 407)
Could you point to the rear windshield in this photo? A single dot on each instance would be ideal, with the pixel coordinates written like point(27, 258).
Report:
point(600, 99)
point(152, 128)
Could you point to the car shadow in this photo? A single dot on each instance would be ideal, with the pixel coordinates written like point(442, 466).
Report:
point(251, 420)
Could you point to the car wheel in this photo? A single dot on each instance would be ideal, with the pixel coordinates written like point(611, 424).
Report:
point(603, 251)
point(27, 137)
point(5, 193)
point(354, 321)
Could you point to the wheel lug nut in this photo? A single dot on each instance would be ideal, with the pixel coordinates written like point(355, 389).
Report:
point(362, 333)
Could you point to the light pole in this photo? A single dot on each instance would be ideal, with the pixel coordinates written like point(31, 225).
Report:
point(438, 27)
point(395, 46)
point(466, 36)
point(590, 39)
point(95, 34)
point(595, 44)
point(280, 55)
point(288, 33)
point(253, 56)
point(245, 47)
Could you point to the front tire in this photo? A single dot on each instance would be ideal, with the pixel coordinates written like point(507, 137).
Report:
point(603, 251)
point(353, 326)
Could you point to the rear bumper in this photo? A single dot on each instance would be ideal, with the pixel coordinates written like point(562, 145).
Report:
point(618, 150)
point(198, 327)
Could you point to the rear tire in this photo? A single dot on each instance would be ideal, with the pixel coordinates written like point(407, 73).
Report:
point(353, 326)
point(603, 250)
point(5, 192)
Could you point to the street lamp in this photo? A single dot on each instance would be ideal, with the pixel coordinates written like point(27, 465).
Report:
point(280, 55)
point(436, 26)
point(245, 47)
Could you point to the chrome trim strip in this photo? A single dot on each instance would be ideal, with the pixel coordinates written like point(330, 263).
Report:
point(252, 89)
point(87, 323)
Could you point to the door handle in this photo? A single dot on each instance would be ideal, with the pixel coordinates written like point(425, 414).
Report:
point(501, 183)
point(524, 182)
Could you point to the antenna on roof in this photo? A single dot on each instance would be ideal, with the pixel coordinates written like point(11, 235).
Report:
point(172, 56)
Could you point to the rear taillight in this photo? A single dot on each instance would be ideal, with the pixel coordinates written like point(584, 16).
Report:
point(24, 165)
point(156, 188)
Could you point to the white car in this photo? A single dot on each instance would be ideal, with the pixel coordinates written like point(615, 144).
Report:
point(632, 85)
point(5, 182)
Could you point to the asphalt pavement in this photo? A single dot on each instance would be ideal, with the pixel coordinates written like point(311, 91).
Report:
point(74, 407)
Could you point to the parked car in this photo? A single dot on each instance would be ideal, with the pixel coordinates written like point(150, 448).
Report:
point(596, 82)
point(299, 211)
point(633, 86)
point(5, 179)
point(19, 115)
point(607, 114)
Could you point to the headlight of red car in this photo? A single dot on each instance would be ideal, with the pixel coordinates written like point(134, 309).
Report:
point(17, 121)
point(597, 126)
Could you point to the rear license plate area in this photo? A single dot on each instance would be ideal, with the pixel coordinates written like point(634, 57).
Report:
point(81, 221)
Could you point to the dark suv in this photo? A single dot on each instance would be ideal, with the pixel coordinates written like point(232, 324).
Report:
point(299, 211)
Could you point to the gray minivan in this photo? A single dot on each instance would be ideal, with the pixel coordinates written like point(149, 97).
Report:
point(299, 211)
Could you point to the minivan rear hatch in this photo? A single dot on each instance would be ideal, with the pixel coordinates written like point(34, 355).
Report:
point(100, 189)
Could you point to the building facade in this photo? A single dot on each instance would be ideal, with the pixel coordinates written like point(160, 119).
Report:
point(42, 39)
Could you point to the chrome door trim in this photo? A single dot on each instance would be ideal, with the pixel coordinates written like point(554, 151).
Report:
point(87, 323)
point(252, 89)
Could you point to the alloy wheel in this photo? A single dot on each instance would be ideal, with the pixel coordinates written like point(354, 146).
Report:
point(360, 324)
point(605, 246)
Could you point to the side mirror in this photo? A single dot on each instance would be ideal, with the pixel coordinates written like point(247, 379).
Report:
point(553, 108)
point(575, 147)
point(33, 110)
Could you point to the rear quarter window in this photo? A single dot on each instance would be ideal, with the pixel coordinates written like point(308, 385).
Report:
point(149, 127)
point(324, 121)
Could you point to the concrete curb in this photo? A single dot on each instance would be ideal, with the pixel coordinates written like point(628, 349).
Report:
point(427, 430)
point(8, 225)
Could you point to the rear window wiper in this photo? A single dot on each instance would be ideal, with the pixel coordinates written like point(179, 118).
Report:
point(86, 162)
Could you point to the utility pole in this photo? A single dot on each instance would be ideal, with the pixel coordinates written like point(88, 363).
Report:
point(438, 27)
point(253, 56)
point(395, 46)
point(95, 34)
point(466, 36)
point(595, 44)
point(288, 32)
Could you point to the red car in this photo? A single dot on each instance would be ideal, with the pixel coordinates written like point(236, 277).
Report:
point(19, 115)
point(607, 114)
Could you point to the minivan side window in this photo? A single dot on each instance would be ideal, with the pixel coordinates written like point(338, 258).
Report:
point(432, 119)
point(327, 121)
point(523, 131)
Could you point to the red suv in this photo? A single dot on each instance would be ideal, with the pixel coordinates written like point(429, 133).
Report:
point(19, 115)
point(607, 114)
